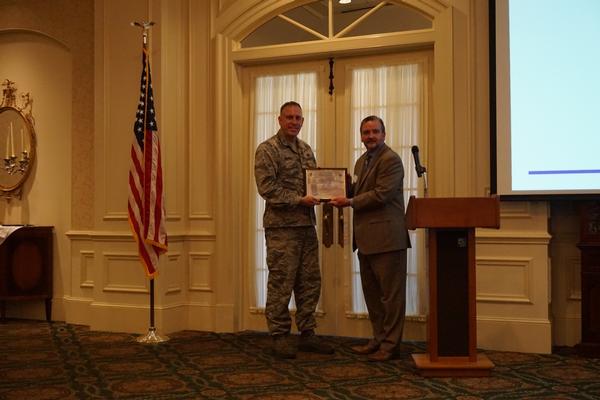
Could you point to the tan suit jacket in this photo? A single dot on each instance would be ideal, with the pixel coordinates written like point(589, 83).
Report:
point(378, 203)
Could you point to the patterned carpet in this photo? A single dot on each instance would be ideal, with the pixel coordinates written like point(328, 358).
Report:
point(60, 361)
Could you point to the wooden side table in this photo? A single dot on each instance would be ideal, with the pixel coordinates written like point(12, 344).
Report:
point(26, 267)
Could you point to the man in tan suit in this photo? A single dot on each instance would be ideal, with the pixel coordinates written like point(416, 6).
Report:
point(381, 238)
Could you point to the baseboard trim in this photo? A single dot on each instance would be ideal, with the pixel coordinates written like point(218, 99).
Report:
point(136, 318)
point(519, 335)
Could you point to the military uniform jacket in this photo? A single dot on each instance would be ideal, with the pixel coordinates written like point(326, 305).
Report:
point(378, 203)
point(279, 171)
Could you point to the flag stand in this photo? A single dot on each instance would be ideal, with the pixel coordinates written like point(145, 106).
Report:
point(145, 115)
point(152, 337)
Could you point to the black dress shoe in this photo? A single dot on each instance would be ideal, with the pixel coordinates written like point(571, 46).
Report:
point(364, 349)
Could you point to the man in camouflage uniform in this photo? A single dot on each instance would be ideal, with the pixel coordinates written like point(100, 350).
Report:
point(291, 237)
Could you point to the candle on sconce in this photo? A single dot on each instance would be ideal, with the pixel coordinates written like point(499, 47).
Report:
point(7, 143)
point(12, 141)
point(22, 141)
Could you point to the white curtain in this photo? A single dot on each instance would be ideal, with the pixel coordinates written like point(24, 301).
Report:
point(395, 94)
point(270, 93)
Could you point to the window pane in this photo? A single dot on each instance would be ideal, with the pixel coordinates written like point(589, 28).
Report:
point(394, 94)
point(315, 17)
point(277, 31)
point(345, 14)
point(270, 93)
point(389, 18)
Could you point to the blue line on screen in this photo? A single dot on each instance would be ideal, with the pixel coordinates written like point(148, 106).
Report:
point(565, 171)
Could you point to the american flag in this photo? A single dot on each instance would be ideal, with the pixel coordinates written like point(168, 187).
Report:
point(146, 200)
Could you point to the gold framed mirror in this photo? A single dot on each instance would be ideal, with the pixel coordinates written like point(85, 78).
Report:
point(17, 140)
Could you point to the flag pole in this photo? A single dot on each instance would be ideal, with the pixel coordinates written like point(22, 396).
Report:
point(151, 337)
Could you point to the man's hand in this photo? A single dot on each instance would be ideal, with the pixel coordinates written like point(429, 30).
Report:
point(340, 202)
point(309, 201)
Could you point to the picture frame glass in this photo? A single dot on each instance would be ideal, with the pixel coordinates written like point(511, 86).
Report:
point(326, 183)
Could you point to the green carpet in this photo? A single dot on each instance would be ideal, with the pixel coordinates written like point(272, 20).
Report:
point(60, 361)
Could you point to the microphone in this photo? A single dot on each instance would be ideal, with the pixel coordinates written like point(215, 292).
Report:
point(418, 167)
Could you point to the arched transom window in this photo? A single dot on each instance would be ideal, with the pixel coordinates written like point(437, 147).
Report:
point(335, 19)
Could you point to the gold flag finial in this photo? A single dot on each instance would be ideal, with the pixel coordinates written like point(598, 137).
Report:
point(145, 25)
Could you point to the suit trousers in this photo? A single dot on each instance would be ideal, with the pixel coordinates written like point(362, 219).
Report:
point(383, 277)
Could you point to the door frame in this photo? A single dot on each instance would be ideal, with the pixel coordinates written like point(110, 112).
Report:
point(229, 27)
point(334, 313)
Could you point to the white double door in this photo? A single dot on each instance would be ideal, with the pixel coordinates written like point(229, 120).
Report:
point(334, 101)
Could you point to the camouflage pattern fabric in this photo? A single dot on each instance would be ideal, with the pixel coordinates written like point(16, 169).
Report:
point(291, 238)
point(279, 172)
point(293, 261)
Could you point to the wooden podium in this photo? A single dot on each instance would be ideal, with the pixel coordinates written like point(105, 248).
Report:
point(452, 323)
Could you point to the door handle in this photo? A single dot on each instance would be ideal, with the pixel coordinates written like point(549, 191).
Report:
point(327, 225)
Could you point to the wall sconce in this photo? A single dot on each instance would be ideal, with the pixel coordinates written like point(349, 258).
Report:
point(17, 140)
point(10, 160)
point(11, 167)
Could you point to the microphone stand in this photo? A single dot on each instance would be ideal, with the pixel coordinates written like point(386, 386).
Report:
point(422, 171)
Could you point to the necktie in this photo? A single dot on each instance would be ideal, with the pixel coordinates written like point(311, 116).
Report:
point(367, 162)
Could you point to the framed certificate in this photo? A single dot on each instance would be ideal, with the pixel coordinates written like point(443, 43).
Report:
point(326, 183)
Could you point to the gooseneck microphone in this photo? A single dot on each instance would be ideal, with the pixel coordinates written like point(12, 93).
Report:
point(418, 167)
